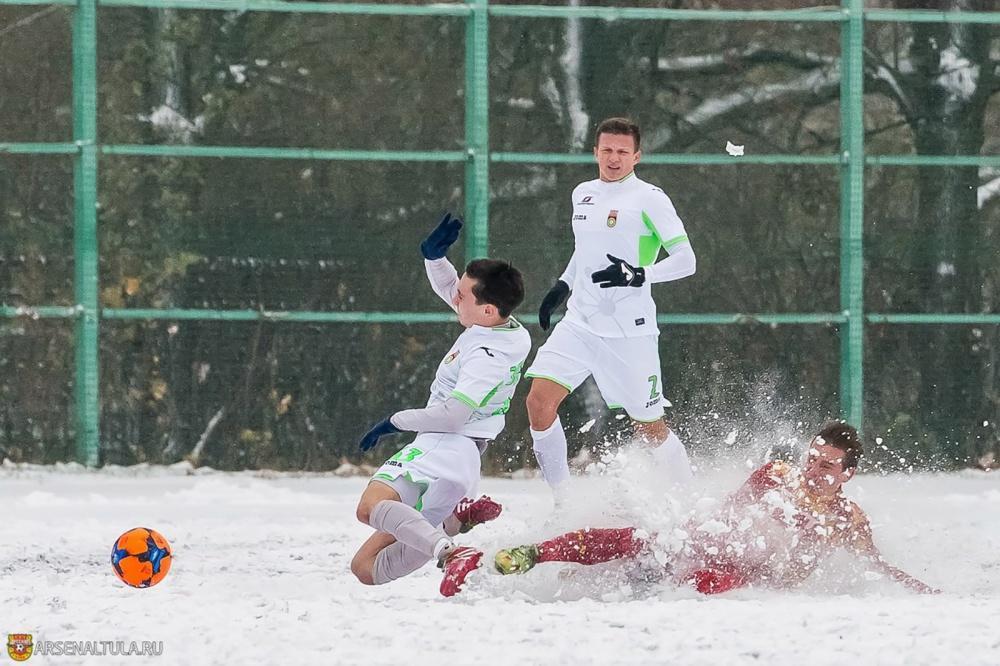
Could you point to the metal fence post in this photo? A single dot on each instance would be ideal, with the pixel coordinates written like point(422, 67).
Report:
point(852, 213)
point(86, 387)
point(477, 127)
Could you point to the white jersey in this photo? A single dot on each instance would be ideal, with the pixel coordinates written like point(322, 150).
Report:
point(482, 367)
point(629, 219)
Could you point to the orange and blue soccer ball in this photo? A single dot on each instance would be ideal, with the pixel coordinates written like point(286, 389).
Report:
point(141, 557)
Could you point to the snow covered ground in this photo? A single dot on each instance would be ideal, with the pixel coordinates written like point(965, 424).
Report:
point(261, 576)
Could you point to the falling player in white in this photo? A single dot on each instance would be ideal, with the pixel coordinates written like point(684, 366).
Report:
point(413, 500)
point(620, 224)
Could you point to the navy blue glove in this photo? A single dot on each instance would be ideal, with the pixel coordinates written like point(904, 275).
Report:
point(436, 245)
point(619, 274)
point(380, 429)
point(557, 294)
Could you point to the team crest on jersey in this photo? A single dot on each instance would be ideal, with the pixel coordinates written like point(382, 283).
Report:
point(20, 646)
point(612, 219)
point(450, 357)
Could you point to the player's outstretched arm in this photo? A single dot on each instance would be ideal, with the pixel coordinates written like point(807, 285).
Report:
point(376, 432)
point(480, 375)
point(863, 544)
point(679, 264)
point(447, 416)
point(440, 271)
point(660, 217)
point(619, 273)
point(557, 294)
point(902, 577)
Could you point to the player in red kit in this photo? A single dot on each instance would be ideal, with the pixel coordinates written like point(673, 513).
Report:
point(774, 531)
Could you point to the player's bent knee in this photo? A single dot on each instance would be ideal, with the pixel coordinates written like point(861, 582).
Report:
point(364, 513)
point(541, 410)
point(362, 569)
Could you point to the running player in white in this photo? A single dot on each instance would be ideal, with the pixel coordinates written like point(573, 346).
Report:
point(413, 500)
point(620, 225)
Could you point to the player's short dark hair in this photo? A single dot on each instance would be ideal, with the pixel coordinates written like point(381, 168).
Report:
point(497, 283)
point(623, 126)
point(845, 437)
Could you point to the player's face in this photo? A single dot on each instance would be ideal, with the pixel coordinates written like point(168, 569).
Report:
point(824, 469)
point(616, 156)
point(469, 312)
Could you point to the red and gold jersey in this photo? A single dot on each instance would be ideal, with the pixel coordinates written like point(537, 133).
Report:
point(771, 531)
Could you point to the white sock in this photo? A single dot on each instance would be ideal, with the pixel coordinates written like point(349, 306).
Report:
point(442, 548)
point(408, 526)
point(550, 452)
point(672, 457)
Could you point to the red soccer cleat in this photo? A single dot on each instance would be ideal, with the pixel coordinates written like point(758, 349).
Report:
point(458, 564)
point(474, 512)
point(717, 580)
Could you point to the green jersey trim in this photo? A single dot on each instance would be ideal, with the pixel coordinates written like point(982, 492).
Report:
point(511, 325)
point(489, 395)
point(466, 399)
point(423, 485)
point(675, 241)
point(472, 403)
point(649, 246)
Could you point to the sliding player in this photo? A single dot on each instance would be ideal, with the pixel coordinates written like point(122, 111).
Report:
point(774, 531)
point(412, 497)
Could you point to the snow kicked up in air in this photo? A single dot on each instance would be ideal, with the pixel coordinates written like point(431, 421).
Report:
point(261, 576)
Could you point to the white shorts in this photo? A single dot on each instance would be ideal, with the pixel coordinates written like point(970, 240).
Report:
point(433, 473)
point(627, 370)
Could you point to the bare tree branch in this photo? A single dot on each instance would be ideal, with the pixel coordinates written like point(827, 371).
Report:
point(576, 110)
point(988, 191)
point(816, 86)
point(887, 79)
point(730, 59)
point(819, 85)
point(28, 20)
point(195, 456)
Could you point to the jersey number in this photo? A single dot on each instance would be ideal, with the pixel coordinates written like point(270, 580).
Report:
point(515, 376)
point(409, 454)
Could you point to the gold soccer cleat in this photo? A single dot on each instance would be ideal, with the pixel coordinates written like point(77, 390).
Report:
point(516, 560)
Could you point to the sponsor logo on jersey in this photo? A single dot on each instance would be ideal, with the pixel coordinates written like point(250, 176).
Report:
point(579, 217)
point(652, 403)
point(450, 357)
point(640, 321)
point(587, 201)
point(20, 646)
point(612, 219)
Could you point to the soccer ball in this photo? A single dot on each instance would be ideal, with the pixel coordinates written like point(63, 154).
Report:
point(141, 557)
